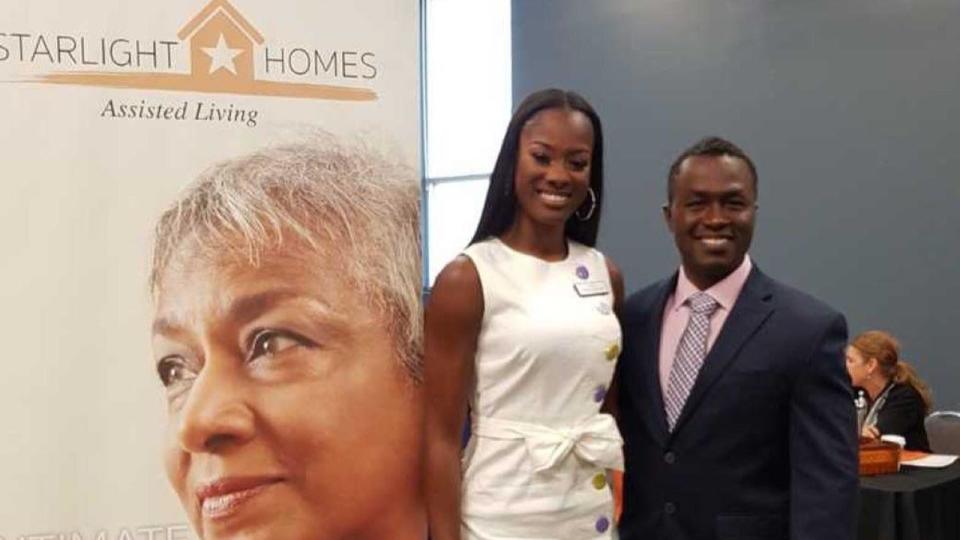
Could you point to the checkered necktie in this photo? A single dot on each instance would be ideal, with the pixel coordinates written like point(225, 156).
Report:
point(690, 353)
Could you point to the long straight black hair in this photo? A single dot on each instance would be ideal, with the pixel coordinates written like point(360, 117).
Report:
point(500, 206)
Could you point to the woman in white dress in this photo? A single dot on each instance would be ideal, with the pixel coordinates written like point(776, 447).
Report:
point(521, 329)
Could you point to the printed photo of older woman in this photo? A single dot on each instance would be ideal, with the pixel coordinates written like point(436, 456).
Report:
point(287, 335)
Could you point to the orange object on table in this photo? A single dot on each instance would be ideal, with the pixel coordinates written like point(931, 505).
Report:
point(879, 457)
point(910, 455)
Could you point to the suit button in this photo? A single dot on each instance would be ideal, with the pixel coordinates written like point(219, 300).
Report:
point(599, 393)
point(612, 352)
point(670, 508)
point(670, 458)
point(602, 524)
point(599, 481)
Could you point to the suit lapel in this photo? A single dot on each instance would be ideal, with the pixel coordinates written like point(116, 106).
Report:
point(752, 308)
point(650, 371)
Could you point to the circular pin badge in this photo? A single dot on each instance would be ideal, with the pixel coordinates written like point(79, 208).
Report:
point(582, 272)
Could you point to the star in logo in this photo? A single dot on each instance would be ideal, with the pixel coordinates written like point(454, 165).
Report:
point(221, 56)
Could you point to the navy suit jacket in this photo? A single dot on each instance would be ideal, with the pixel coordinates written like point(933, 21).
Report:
point(766, 444)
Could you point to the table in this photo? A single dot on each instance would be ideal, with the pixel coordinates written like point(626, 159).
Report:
point(914, 504)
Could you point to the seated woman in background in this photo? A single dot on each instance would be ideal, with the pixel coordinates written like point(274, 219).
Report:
point(899, 400)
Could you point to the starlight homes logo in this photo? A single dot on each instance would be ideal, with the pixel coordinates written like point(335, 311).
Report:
point(224, 51)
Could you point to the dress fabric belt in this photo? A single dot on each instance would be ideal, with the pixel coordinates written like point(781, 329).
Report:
point(594, 440)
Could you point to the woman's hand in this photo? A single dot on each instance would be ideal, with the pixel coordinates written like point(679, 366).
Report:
point(870, 432)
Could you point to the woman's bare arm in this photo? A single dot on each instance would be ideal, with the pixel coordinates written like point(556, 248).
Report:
point(452, 324)
point(616, 282)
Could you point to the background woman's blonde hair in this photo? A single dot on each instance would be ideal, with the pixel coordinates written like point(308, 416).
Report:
point(886, 350)
point(347, 202)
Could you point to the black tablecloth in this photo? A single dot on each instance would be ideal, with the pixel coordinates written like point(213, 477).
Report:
point(914, 504)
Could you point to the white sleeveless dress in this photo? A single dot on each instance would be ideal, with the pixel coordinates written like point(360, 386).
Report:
point(534, 466)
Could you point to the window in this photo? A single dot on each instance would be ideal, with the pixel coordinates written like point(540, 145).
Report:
point(468, 104)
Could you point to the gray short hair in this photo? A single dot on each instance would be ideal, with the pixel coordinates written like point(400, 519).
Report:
point(322, 192)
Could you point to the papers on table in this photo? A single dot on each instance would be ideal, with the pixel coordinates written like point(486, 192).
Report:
point(932, 461)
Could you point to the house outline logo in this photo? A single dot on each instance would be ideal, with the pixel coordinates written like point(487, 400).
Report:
point(208, 60)
point(222, 46)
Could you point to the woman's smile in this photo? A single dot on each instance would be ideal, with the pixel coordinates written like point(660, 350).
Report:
point(225, 497)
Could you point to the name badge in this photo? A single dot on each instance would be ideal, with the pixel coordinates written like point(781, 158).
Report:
point(591, 288)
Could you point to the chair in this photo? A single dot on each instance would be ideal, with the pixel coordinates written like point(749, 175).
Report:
point(943, 431)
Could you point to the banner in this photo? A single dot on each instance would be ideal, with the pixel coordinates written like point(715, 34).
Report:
point(110, 110)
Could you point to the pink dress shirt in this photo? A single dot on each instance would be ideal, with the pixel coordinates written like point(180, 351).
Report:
point(676, 313)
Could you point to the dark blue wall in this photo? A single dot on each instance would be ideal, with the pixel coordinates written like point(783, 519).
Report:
point(850, 110)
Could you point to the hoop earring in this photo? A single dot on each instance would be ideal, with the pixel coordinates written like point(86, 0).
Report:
point(593, 207)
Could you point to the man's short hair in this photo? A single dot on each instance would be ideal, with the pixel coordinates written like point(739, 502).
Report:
point(343, 201)
point(710, 146)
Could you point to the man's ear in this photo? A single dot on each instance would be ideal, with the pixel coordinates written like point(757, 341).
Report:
point(667, 215)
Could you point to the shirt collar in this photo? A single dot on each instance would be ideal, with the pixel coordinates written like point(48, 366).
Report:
point(725, 291)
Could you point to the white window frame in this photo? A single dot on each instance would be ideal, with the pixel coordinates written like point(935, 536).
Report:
point(481, 50)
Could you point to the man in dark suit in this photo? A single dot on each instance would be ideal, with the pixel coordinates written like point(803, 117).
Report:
point(734, 403)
